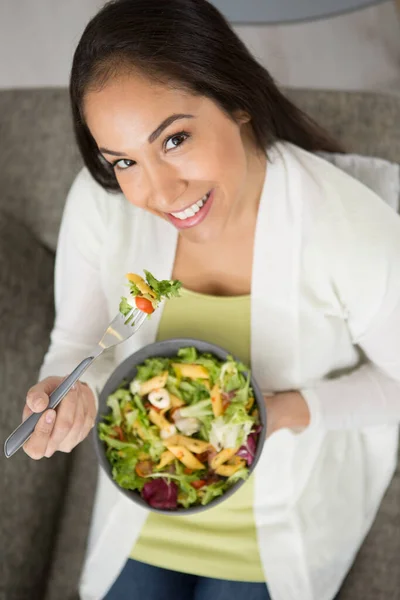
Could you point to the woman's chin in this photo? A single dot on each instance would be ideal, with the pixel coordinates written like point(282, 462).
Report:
point(201, 235)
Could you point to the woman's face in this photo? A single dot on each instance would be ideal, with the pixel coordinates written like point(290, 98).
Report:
point(174, 154)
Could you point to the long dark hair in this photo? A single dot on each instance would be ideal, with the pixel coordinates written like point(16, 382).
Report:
point(187, 42)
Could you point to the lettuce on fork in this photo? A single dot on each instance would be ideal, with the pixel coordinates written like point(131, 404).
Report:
point(146, 294)
point(183, 431)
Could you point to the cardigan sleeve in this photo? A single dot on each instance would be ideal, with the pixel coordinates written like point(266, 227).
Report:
point(80, 303)
point(359, 237)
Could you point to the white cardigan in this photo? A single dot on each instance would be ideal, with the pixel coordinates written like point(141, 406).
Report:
point(325, 295)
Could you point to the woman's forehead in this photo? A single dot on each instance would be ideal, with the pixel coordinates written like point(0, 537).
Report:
point(135, 105)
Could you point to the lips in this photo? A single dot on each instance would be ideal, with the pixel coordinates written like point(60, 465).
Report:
point(189, 217)
point(191, 210)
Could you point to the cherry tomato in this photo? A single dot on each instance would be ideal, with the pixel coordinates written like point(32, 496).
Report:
point(187, 471)
point(144, 305)
point(199, 483)
point(144, 468)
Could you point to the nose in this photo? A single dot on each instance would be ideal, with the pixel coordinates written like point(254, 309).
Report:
point(166, 185)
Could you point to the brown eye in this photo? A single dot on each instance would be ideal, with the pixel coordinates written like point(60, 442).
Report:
point(123, 164)
point(176, 140)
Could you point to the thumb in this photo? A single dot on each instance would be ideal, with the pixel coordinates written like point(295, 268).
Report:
point(37, 398)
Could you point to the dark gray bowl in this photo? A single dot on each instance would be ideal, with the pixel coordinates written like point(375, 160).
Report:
point(127, 370)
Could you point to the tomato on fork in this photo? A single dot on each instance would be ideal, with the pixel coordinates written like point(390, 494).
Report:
point(144, 305)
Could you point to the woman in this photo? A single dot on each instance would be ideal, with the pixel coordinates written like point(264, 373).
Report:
point(197, 168)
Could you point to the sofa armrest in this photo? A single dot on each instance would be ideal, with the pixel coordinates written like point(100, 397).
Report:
point(32, 498)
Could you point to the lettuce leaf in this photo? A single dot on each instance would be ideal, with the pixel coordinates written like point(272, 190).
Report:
point(116, 443)
point(164, 288)
point(187, 355)
point(130, 418)
point(113, 403)
point(231, 429)
point(172, 386)
point(205, 429)
point(212, 491)
point(187, 495)
point(123, 471)
point(199, 410)
point(124, 306)
point(151, 368)
point(192, 390)
point(243, 394)
point(241, 474)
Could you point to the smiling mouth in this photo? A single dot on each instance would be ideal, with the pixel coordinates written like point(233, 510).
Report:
point(191, 210)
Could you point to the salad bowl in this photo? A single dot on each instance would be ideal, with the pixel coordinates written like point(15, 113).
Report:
point(180, 427)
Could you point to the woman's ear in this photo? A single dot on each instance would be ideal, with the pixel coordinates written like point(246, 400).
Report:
point(241, 117)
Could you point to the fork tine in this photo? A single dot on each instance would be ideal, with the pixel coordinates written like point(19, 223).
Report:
point(119, 331)
point(139, 321)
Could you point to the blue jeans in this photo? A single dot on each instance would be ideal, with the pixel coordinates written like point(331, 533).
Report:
point(139, 581)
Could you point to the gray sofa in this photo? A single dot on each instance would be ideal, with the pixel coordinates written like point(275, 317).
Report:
point(45, 506)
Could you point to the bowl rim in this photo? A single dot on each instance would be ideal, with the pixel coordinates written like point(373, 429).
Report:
point(129, 364)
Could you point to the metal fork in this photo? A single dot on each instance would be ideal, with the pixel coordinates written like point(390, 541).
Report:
point(118, 331)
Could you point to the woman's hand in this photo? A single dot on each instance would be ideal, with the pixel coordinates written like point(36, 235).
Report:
point(286, 410)
point(62, 429)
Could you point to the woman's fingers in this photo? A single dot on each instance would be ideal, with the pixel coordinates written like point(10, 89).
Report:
point(89, 423)
point(36, 446)
point(73, 437)
point(64, 423)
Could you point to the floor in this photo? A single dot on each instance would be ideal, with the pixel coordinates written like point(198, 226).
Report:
point(355, 51)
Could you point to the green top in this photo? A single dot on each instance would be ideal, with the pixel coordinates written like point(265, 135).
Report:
point(220, 542)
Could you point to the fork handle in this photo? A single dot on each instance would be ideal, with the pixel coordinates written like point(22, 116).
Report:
point(24, 431)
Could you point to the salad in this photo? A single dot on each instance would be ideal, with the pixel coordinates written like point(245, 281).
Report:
point(147, 294)
point(183, 431)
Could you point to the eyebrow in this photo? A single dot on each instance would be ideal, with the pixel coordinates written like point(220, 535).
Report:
point(156, 133)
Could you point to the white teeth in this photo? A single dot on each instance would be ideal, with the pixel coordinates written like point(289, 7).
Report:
point(189, 212)
point(192, 210)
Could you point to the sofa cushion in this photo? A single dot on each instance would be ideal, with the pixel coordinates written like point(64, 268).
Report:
point(381, 176)
point(32, 492)
point(365, 123)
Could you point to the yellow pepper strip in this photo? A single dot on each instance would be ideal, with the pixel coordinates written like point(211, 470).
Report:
point(222, 457)
point(154, 383)
point(228, 470)
point(196, 446)
point(186, 457)
point(191, 371)
point(139, 430)
point(249, 404)
point(159, 420)
point(141, 284)
point(165, 458)
point(175, 401)
point(216, 400)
